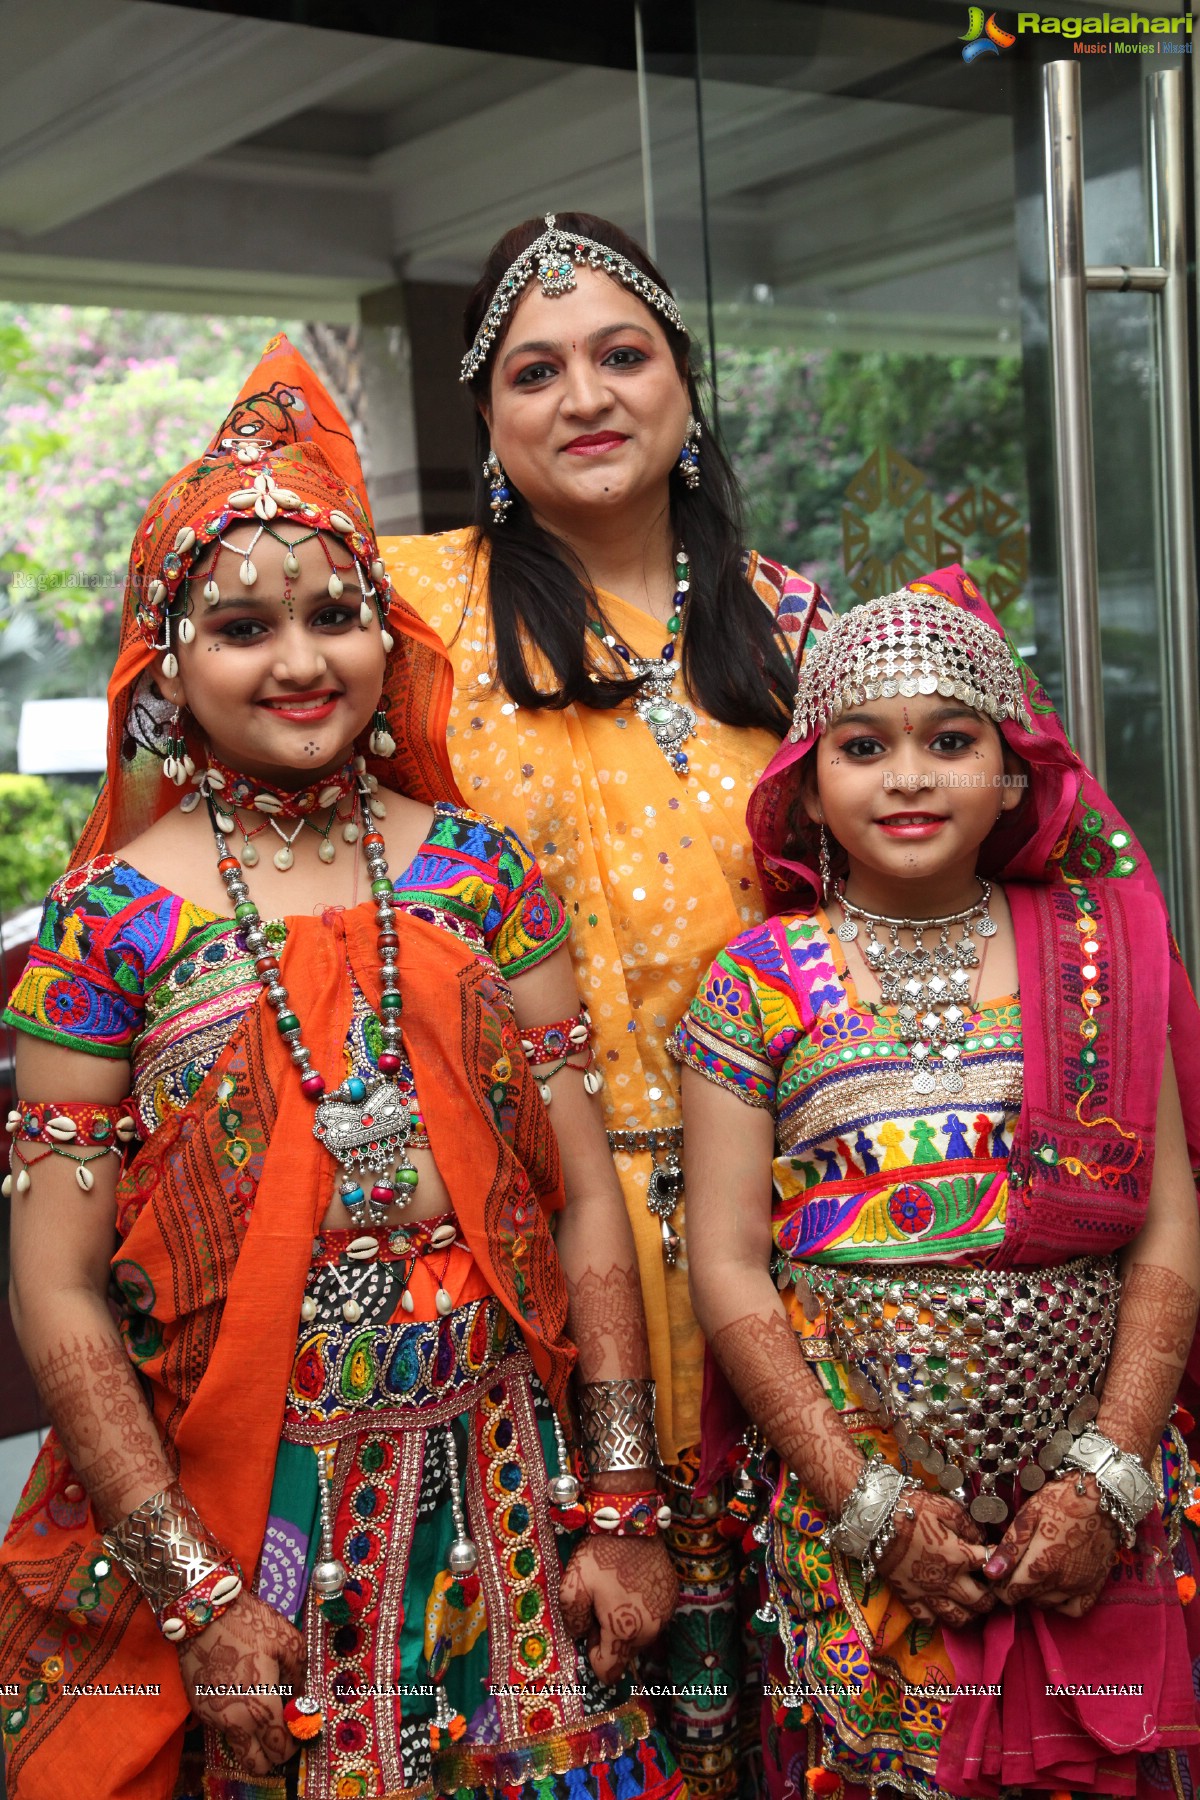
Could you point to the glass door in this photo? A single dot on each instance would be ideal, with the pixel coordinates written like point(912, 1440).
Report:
point(876, 255)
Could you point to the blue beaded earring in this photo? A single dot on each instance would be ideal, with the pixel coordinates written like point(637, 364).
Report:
point(501, 501)
point(689, 457)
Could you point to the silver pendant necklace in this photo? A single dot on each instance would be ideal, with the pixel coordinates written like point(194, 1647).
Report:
point(670, 722)
point(930, 989)
point(365, 1123)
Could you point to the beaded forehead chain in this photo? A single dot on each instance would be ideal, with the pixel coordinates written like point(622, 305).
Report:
point(550, 257)
point(907, 643)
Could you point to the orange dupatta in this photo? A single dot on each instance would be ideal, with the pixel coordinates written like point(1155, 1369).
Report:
point(221, 1292)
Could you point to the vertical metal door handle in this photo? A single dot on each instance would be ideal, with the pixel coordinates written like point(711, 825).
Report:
point(1075, 481)
point(1070, 280)
point(1181, 659)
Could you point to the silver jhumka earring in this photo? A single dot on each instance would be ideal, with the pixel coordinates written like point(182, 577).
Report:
point(501, 493)
point(689, 457)
point(824, 865)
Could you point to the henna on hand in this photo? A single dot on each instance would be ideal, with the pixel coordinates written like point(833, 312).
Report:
point(618, 1593)
point(90, 1390)
point(1156, 1320)
point(762, 1360)
point(1058, 1551)
point(934, 1560)
point(606, 1322)
point(249, 1646)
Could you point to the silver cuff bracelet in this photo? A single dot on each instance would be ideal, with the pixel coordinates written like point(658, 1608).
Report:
point(163, 1546)
point(868, 1520)
point(1127, 1491)
point(616, 1425)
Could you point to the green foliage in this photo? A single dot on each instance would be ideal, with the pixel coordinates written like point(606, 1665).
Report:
point(799, 424)
point(99, 408)
point(40, 820)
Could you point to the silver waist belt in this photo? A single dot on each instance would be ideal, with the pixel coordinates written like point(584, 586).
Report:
point(983, 1374)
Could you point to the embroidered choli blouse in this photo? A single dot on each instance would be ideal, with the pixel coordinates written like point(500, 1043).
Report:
point(122, 967)
point(864, 1168)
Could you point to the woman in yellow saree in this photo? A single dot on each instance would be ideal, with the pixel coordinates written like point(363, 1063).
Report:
point(622, 677)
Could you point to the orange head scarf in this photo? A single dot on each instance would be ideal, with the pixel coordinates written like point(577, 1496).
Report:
point(282, 452)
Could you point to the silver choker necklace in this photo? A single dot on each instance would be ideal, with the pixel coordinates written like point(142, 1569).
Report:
point(931, 989)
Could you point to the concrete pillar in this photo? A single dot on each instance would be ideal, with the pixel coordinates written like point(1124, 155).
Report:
point(420, 423)
point(386, 358)
point(444, 410)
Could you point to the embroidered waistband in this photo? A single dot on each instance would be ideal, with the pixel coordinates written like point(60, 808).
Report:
point(403, 1374)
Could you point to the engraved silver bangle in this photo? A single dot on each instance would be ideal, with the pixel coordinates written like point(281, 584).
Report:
point(1127, 1491)
point(868, 1518)
point(163, 1546)
point(616, 1425)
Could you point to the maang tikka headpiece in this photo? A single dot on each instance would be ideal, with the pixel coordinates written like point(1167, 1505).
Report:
point(907, 643)
point(553, 258)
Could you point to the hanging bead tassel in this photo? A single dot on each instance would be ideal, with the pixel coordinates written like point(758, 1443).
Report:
point(303, 1717)
point(453, 1616)
point(563, 1490)
point(448, 1726)
point(462, 1557)
point(329, 1575)
point(381, 740)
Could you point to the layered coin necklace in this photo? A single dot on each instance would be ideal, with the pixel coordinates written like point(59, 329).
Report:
point(670, 722)
point(366, 1123)
point(931, 989)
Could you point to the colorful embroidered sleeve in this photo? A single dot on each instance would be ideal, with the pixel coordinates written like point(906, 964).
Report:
point(473, 873)
point(747, 1017)
point(721, 1034)
point(104, 930)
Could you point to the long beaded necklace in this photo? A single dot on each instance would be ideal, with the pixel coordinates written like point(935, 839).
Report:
point(365, 1124)
point(930, 989)
point(670, 722)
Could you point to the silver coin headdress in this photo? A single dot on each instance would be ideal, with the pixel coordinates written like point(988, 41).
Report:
point(553, 259)
point(907, 643)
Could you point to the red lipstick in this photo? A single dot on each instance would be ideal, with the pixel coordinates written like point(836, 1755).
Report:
point(595, 443)
point(911, 824)
point(303, 709)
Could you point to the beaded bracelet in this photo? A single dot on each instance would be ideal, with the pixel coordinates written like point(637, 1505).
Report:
point(80, 1130)
point(195, 1610)
point(565, 1037)
point(611, 1515)
point(550, 1048)
point(625, 1515)
point(73, 1122)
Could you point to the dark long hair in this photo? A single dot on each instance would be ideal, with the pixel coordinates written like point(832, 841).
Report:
point(733, 658)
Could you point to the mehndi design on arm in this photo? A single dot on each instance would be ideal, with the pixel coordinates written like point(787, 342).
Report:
point(1154, 1336)
point(760, 1356)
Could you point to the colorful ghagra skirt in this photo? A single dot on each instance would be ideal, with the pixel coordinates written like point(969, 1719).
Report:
point(429, 1681)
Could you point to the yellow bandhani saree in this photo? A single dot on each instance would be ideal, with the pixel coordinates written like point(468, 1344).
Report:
point(655, 870)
